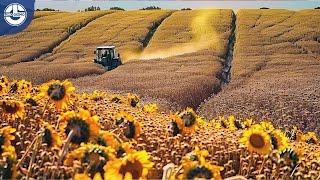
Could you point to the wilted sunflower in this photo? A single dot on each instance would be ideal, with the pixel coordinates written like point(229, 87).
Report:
point(3, 89)
point(6, 136)
point(133, 100)
point(107, 139)
point(311, 138)
point(93, 155)
point(176, 125)
point(256, 140)
point(267, 126)
point(150, 108)
point(189, 119)
point(12, 109)
point(59, 93)
point(84, 126)
point(197, 170)
point(51, 137)
point(278, 140)
point(132, 166)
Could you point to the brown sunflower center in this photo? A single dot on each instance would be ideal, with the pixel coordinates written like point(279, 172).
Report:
point(173, 128)
point(10, 108)
point(200, 172)
point(189, 119)
point(47, 137)
point(81, 130)
point(129, 130)
point(56, 92)
point(135, 168)
point(257, 141)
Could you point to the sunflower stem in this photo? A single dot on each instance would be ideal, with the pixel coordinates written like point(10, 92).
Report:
point(27, 151)
point(33, 157)
point(45, 108)
point(263, 162)
point(65, 148)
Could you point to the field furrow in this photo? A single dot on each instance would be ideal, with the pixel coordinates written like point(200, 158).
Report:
point(274, 77)
point(43, 35)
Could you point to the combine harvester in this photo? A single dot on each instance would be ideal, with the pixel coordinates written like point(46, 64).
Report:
point(107, 57)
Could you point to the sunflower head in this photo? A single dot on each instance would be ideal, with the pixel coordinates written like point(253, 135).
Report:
point(131, 127)
point(133, 100)
point(84, 126)
point(203, 170)
point(116, 98)
point(121, 117)
point(311, 138)
point(106, 138)
point(248, 123)
point(176, 125)
point(278, 140)
point(123, 149)
point(256, 140)
point(31, 100)
point(134, 165)
point(195, 155)
point(3, 89)
point(189, 119)
point(6, 136)
point(267, 126)
point(150, 108)
point(51, 137)
point(12, 109)
point(4, 79)
point(93, 155)
point(58, 92)
point(24, 87)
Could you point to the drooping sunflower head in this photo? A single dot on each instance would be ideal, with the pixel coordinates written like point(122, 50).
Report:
point(176, 125)
point(132, 166)
point(267, 126)
point(83, 126)
point(12, 109)
point(131, 127)
point(204, 170)
point(121, 117)
point(51, 137)
point(3, 89)
point(290, 156)
point(278, 140)
point(93, 156)
point(256, 140)
point(58, 92)
point(189, 119)
point(311, 138)
point(133, 100)
point(107, 139)
point(6, 136)
point(150, 108)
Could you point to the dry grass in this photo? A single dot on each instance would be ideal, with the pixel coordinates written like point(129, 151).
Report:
point(43, 34)
point(177, 81)
point(275, 69)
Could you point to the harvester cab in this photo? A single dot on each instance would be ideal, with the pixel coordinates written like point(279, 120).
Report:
point(107, 57)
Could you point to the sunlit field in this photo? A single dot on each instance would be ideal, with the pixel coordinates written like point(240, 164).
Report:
point(275, 73)
point(50, 132)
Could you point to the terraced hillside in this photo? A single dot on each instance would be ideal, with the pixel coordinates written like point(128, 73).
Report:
point(176, 81)
point(73, 57)
point(46, 31)
point(275, 72)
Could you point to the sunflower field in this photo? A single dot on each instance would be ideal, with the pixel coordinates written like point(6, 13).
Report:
point(51, 132)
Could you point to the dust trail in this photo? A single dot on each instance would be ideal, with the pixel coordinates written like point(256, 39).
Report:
point(204, 37)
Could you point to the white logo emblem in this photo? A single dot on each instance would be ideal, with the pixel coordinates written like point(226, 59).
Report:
point(15, 14)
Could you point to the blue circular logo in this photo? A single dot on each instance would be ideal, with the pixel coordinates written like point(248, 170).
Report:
point(15, 14)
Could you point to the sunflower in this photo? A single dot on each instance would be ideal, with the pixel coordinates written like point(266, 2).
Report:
point(189, 119)
point(96, 95)
point(57, 92)
point(123, 149)
point(51, 137)
point(176, 125)
point(107, 139)
point(256, 140)
point(150, 108)
point(132, 166)
point(30, 100)
point(24, 87)
point(133, 100)
point(278, 140)
point(3, 89)
point(234, 123)
point(85, 127)
point(195, 155)
point(248, 123)
point(311, 138)
point(12, 109)
point(131, 127)
point(6, 136)
point(93, 155)
point(116, 98)
point(267, 126)
point(200, 170)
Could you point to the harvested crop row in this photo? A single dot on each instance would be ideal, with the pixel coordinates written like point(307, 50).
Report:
point(275, 75)
point(42, 36)
point(176, 81)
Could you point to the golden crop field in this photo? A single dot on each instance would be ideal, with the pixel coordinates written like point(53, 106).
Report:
point(42, 35)
point(51, 132)
point(177, 81)
point(275, 71)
